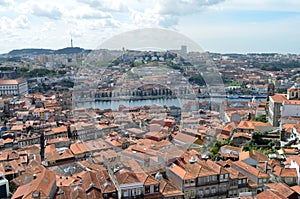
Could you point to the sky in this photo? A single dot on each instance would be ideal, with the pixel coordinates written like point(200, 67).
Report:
point(226, 26)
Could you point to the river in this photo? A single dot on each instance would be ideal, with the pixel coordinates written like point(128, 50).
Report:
point(160, 102)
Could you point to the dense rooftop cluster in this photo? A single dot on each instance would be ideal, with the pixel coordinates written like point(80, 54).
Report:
point(52, 147)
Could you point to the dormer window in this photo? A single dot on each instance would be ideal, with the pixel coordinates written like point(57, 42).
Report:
point(36, 194)
point(192, 160)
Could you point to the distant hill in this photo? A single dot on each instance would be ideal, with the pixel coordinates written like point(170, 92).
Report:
point(39, 51)
point(69, 50)
point(29, 51)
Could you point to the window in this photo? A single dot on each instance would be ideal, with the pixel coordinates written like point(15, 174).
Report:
point(147, 189)
point(206, 179)
point(192, 193)
point(207, 191)
point(125, 193)
point(200, 193)
point(221, 177)
point(133, 192)
point(214, 178)
point(213, 190)
point(156, 188)
point(187, 194)
point(138, 191)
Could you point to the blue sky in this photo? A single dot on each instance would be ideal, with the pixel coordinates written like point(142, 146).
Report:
point(216, 25)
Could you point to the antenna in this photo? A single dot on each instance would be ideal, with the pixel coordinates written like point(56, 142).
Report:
point(71, 42)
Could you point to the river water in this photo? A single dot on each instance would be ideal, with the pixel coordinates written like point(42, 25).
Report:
point(114, 105)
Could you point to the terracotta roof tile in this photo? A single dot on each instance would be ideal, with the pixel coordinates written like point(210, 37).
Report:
point(259, 157)
point(279, 98)
point(78, 148)
point(281, 188)
point(59, 129)
point(180, 172)
point(252, 170)
point(296, 188)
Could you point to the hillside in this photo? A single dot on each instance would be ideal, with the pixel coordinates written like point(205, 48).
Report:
point(39, 51)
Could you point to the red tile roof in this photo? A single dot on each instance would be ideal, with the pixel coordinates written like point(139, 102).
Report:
point(259, 157)
point(78, 148)
point(270, 194)
point(252, 170)
point(180, 172)
point(279, 98)
point(11, 81)
point(282, 188)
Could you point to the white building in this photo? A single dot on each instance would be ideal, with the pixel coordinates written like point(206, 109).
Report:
point(13, 86)
point(291, 108)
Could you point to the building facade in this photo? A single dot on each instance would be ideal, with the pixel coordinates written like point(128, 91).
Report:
point(13, 87)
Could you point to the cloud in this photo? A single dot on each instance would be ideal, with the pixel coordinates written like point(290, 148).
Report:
point(21, 22)
point(5, 24)
point(9, 25)
point(86, 12)
point(166, 13)
point(95, 15)
point(112, 23)
point(6, 3)
point(75, 33)
point(49, 11)
point(168, 21)
point(41, 9)
point(147, 18)
point(107, 5)
point(185, 7)
point(48, 26)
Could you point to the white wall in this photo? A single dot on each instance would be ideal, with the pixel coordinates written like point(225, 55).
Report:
point(290, 110)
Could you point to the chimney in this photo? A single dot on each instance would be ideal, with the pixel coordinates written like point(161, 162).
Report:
point(266, 167)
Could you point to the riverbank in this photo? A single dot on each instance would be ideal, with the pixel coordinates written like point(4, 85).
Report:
point(188, 97)
point(114, 104)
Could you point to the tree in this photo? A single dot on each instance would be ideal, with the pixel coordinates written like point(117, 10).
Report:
point(261, 118)
point(197, 79)
point(23, 69)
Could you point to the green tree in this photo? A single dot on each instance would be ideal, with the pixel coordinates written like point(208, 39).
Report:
point(23, 69)
point(197, 79)
point(261, 118)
